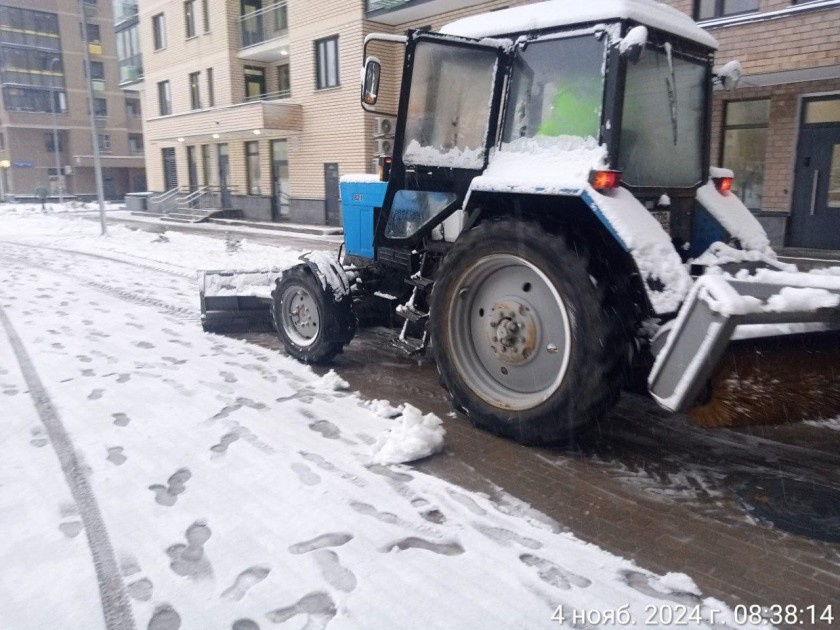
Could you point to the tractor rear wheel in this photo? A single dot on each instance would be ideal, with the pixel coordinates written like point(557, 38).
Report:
point(310, 323)
point(522, 338)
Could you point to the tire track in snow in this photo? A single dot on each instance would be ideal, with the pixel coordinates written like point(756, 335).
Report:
point(125, 259)
point(115, 605)
point(183, 312)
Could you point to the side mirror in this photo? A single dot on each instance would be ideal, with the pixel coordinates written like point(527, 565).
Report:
point(730, 75)
point(370, 82)
point(633, 44)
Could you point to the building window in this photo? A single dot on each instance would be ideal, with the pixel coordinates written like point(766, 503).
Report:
point(159, 30)
point(132, 107)
point(22, 99)
point(97, 70)
point(93, 33)
point(135, 143)
point(205, 164)
point(284, 81)
point(3, 141)
point(164, 98)
point(326, 62)
point(252, 166)
point(205, 12)
point(189, 18)
point(708, 9)
point(49, 143)
point(254, 83)
point(195, 90)
point(744, 147)
point(211, 97)
point(100, 107)
point(104, 142)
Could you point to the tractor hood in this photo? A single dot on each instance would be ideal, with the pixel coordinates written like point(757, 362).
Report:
point(562, 13)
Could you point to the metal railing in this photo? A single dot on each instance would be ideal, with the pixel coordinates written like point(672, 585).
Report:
point(269, 96)
point(164, 202)
point(379, 5)
point(267, 23)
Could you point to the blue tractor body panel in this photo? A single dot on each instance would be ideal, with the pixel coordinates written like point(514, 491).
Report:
point(358, 199)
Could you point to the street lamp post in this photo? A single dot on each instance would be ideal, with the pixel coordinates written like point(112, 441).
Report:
point(97, 160)
point(55, 138)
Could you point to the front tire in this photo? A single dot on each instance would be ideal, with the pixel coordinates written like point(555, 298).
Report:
point(522, 338)
point(310, 323)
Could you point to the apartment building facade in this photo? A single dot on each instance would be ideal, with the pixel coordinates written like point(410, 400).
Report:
point(263, 97)
point(43, 78)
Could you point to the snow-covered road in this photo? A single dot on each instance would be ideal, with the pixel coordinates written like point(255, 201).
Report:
point(155, 476)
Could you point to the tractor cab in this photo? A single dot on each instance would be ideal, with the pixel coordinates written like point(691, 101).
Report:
point(623, 96)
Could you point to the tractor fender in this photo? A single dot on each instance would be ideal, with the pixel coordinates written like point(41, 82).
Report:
point(727, 210)
point(329, 272)
point(665, 278)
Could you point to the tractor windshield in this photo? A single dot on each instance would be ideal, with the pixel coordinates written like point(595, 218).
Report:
point(662, 125)
point(556, 89)
point(449, 105)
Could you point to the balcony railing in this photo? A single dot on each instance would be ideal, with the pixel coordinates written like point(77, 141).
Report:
point(124, 11)
point(265, 24)
point(269, 96)
point(378, 5)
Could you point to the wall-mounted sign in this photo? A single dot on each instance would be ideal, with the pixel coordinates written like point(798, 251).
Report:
point(22, 164)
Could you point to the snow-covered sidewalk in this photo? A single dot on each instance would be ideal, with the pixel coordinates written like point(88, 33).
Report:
point(234, 487)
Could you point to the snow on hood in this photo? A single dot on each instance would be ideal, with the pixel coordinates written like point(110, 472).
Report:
point(543, 164)
point(560, 13)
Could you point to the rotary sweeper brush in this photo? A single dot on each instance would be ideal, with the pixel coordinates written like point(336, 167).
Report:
point(546, 220)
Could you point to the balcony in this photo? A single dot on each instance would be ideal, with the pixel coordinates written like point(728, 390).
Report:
point(393, 12)
point(131, 69)
point(265, 33)
point(124, 11)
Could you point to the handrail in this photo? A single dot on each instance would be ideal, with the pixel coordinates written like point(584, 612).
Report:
point(263, 11)
point(166, 196)
point(269, 96)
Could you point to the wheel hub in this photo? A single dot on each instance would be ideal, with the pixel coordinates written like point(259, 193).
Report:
point(512, 331)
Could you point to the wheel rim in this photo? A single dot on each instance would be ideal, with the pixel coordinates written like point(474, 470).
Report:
point(300, 316)
point(509, 331)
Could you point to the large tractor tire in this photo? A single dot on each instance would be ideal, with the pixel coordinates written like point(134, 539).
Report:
point(523, 339)
point(310, 323)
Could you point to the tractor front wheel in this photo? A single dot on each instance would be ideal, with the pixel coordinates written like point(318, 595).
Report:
point(310, 323)
point(522, 339)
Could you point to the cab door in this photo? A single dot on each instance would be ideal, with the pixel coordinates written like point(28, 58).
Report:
point(446, 124)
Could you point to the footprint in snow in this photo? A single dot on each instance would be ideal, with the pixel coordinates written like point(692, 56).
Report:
point(505, 537)
point(305, 474)
point(326, 428)
point(120, 419)
point(318, 607)
point(96, 394)
point(467, 502)
point(226, 440)
point(174, 361)
point(188, 560)
point(115, 455)
point(434, 516)
point(71, 526)
point(138, 588)
point(412, 542)
point(244, 581)
point(368, 510)
point(228, 376)
point(245, 624)
point(123, 378)
point(39, 437)
point(135, 325)
point(393, 475)
point(10, 390)
point(58, 346)
point(143, 344)
point(336, 575)
point(323, 464)
point(88, 373)
point(176, 484)
point(554, 574)
point(164, 618)
point(333, 539)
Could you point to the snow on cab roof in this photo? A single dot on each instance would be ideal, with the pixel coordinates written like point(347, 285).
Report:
point(558, 13)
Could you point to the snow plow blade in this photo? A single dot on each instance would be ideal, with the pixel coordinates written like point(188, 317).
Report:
point(768, 347)
point(236, 301)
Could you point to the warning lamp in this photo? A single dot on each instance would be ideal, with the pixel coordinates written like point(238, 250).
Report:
point(384, 164)
point(599, 180)
point(723, 184)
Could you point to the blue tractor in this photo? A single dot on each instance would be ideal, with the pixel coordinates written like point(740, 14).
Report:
point(548, 221)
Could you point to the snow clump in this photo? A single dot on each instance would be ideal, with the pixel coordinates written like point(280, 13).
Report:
point(413, 436)
point(332, 382)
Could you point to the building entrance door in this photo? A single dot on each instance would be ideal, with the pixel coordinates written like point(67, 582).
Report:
point(224, 174)
point(170, 169)
point(280, 201)
point(815, 220)
point(331, 193)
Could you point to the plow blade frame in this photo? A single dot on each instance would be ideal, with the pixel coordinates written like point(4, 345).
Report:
point(233, 313)
point(701, 334)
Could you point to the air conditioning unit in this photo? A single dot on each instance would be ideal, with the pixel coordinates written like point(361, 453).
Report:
point(384, 146)
point(383, 126)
